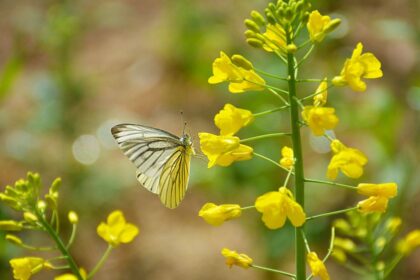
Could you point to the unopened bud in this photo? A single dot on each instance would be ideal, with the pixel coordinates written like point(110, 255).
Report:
point(41, 205)
point(255, 43)
point(339, 81)
point(29, 217)
point(332, 25)
point(13, 239)
point(241, 61)
point(11, 225)
point(250, 34)
point(73, 218)
point(291, 48)
point(258, 18)
point(270, 16)
point(55, 185)
point(252, 25)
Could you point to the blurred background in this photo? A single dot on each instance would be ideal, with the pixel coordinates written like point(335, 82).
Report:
point(70, 70)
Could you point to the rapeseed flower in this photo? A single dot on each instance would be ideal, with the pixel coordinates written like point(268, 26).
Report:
point(231, 119)
point(217, 214)
point(116, 230)
point(350, 161)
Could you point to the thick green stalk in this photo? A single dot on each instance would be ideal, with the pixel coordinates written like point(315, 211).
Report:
point(297, 151)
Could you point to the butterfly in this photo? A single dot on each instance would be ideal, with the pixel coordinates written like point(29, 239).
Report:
point(162, 159)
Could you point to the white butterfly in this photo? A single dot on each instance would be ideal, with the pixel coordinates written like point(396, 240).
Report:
point(162, 159)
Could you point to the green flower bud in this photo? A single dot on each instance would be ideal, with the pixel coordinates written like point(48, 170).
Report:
point(14, 239)
point(252, 25)
point(380, 243)
point(250, 34)
point(41, 205)
point(393, 225)
point(339, 255)
point(10, 201)
point(255, 43)
point(258, 18)
point(73, 218)
point(332, 25)
point(342, 225)
point(345, 244)
point(291, 48)
point(55, 185)
point(241, 61)
point(270, 16)
point(29, 217)
point(11, 225)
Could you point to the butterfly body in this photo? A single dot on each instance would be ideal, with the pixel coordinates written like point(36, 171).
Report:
point(161, 158)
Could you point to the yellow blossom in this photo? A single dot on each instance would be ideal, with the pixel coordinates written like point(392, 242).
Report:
point(357, 67)
point(373, 204)
point(317, 266)
point(319, 119)
point(410, 242)
point(317, 26)
point(24, 268)
point(350, 161)
point(223, 150)
point(276, 206)
point(217, 214)
point(275, 38)
point(231, 119)
point(233, 258)
point(69, 276)
point(321, 98)
point(288, 159)
point(116, 230)
point(387, 190)
point(241, 79)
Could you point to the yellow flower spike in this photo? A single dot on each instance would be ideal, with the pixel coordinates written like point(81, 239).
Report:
point(317, 266)
point(116, 230)
point(319, 119)
point(241, 79)
point(349, 160)
point(223, 150)
point(410, 242)
point(69, 276)
point(373, 204)
point(24, 268)
point(277, 206)
point(321, 98)
point(317, 26)
point(233, 258)
point(288, 159)
point(359, 66)
point(11, 225)
point(217, 214)
point(387, 190)
point(275, 38)
point(231, 119)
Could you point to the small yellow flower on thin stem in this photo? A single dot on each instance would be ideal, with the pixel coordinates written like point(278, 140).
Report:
point(233, 258)
point(319, 119)
point(69, 276)
point(277, 206)
point(287, 160)
point(241, 79)
point(359, 66)
point(24, 268)
point(373, 204)
point(350, 161)
point(217, 214)
point(116, 230)
point(379, 196)
point(317, 266)
point(231, 119)
point(319, 25)
point(223, 150)
point(410, 242)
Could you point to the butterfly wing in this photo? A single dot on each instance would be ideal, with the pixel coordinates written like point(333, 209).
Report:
point(149, 149)
point(173, 181)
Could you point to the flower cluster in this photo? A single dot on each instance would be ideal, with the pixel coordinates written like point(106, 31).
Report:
point(41, 213)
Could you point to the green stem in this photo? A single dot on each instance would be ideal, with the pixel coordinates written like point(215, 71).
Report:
point(331, 213)
point(270, 111)
point(331, 183)
point(60, 245)
point(297, 151)
point(72, 236)
point(278, 95)
point(275, 270)
point(248, 207)
point(304, 57)
point(392, 265)
point(270, 160)
point(269, 75)
point(309, 80)
point(264, 136)
point(315, 93)
point(101, 262)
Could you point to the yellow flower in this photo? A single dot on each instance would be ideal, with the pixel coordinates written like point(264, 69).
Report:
point(275, 38)
point(233, 258)
point(317, 266)
point(357, 67)
point(24, 268)
point(386, 190)
point(373, 204)
point(276, 206)
point(350, 161)
point(317, 26)
point(241, 79)
point(410, 242)
point(319, 119)
point(69, 276)
point(117, 230)
point(223, 150)
point(321, 98)
point(217, 214)
point(231, 119)
point(393, 224)
point(288, 159)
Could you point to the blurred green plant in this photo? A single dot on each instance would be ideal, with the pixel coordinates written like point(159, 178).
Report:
point(41, 213)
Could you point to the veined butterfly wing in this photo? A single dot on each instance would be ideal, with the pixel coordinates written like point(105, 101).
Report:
point(161, 158)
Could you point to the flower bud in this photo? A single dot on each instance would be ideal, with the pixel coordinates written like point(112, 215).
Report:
point(291, 48)
point(10, 225)
point(393, 225)
point(258, 18)
point(73, 218)
point(252, 25)
point(41, 205)
point(332, 25)
point(30, 217)
point(270, 17)
point(250, 34)
point(241, 61)
point(255, 43)
point(14, 239)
